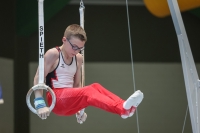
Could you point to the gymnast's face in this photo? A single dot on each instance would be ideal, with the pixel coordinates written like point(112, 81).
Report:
point(73, 46)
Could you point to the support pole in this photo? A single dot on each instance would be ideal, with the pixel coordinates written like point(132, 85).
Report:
point(189, 69)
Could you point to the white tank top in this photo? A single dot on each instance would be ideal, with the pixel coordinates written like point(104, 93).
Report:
point(63, 75)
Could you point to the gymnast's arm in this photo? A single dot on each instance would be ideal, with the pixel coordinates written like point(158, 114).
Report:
point(77, 76)
point(80, 115)
point(50, 58)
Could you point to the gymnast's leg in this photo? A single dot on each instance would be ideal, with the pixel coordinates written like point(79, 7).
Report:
point(71, 100)
point(114, 104)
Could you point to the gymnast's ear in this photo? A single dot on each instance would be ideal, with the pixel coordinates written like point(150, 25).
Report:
point(64, 39)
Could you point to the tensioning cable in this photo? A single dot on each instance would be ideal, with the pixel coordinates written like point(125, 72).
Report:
point(132, 64)
point(185, 120)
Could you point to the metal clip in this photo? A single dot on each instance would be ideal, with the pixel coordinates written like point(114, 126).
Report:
point(81, 4)
point(198, 83)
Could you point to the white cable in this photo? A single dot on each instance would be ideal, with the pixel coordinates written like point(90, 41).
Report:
point(132, 60)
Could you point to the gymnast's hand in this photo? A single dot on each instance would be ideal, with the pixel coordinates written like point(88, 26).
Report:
point(81, 117)
point(43, 112)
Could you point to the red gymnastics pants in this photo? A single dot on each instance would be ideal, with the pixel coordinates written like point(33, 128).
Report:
point(70, 100)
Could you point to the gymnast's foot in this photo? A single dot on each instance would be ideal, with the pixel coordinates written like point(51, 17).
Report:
point(134, 100)
point(128, 113)
point(132, 103)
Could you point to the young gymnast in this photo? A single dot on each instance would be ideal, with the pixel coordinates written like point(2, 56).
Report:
point(62, 70)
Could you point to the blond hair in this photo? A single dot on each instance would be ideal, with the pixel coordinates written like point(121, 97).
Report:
point(75, 30)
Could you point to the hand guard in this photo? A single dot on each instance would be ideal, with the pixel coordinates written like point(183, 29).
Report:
point(40, 106)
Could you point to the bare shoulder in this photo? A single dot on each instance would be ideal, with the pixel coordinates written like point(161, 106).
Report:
point(52, 54)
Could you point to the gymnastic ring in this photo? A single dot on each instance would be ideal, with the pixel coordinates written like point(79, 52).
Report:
point(39, 87)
